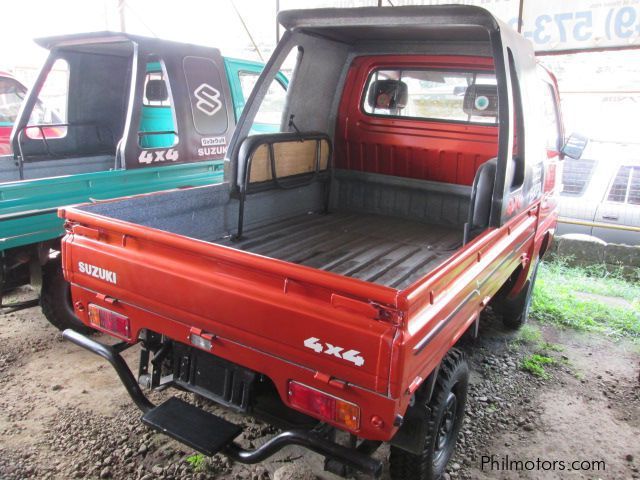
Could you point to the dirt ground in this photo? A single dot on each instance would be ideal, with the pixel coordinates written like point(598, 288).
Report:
point(64, 414)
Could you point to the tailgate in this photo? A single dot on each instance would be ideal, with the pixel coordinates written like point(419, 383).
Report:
point(315, 319)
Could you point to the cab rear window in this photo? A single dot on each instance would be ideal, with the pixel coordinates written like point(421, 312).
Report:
point(468, 97)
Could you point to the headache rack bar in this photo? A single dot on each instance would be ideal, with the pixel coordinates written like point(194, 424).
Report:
point(301, 180)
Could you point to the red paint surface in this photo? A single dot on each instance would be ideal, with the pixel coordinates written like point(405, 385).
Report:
point(5, 133)
point(424, 149)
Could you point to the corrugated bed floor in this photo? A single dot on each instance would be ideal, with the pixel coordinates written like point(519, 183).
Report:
point(374, 248)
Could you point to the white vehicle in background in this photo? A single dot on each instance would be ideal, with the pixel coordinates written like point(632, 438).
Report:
point(601, 194)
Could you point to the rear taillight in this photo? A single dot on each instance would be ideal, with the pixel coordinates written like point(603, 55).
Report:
point(323, 405)
point(110, 321)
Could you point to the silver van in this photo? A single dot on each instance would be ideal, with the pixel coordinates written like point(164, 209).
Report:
point(601, 193)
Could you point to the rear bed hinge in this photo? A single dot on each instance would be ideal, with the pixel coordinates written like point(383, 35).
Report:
point(329, 380)
point(390, 315)
point(371, 310)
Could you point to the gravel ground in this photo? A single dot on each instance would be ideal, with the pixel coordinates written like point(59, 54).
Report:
point(63, 413)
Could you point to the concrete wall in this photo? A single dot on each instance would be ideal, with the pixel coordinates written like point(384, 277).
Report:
point(585, 250)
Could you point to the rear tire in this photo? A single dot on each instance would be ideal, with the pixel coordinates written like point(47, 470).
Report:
point(515, 312)
point(55, 300)
point(446, 412)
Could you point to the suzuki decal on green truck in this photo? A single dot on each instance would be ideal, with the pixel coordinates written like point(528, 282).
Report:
point(124, 115)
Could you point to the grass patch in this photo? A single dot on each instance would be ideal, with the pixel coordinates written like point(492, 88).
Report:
point(557, 299)
point(529, 334)
point(535, 364)
point(550, 347)
point(198, 462)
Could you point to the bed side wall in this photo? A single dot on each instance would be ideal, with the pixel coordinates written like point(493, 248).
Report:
point(418, 200)
point(208, 213)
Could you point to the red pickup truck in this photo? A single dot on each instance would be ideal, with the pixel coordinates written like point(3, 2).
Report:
point(326, 283)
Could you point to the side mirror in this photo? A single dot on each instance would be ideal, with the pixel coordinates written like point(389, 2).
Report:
point(575, 145)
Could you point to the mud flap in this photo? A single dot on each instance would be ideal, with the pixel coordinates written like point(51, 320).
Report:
point(412, 434)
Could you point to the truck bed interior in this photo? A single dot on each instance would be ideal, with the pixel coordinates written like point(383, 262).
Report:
point(374, 248)
point(381, 248)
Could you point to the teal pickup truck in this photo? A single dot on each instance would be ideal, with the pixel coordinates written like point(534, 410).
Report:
point(123, 115)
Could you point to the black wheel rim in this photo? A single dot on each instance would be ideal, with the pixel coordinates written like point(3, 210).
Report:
point(446, 428)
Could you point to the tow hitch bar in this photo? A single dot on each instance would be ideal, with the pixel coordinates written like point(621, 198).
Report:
point(188, 424)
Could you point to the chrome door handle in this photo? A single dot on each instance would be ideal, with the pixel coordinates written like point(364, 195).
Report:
point(610, 217)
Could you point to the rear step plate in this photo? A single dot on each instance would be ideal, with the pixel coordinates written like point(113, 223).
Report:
point(192, 426)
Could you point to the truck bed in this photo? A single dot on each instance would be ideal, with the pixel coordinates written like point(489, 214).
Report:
point(374, 248)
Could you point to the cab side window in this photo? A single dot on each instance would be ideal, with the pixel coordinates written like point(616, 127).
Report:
point(247, 82)
point(157, 114)
point(269, 116)
point(633, 196)
point(626, 186)
point(51, 108)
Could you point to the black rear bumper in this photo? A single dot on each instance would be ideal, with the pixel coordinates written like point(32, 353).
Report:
point(356, 458)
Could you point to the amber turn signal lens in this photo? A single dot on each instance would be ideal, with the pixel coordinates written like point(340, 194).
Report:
point(348, 414)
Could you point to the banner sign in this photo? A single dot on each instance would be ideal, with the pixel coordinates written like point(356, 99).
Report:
point(580, 24)
point(551, 25)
